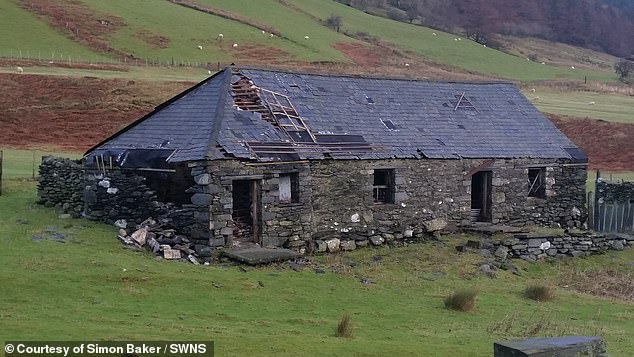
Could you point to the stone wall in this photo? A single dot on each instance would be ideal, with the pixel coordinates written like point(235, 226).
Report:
point(336, 202)
point(61, 185)
point(581, 244)
point(609, 192)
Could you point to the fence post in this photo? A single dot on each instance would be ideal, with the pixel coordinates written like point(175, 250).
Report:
point(591, 205)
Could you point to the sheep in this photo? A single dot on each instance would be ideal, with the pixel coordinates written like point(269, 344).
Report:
point(263, 32)
point(407, 65)
point(535, 98)
point(235, 45)
point(199, 47)
point(307, 37)
point(455, 39)
point(543, 62)
point(532, 90)
point(220, 36)
point(484, 46)
point(572, 67)
point(271, 35)
point(435, 34)
point(208, 72)
point(592, 103)
point(20, 69)
point(459, 39)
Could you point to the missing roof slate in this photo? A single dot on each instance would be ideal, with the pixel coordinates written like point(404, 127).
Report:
point(389, 124)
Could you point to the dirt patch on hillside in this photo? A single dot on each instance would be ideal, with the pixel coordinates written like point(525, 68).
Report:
point(610, 146)
point(361, 54)
point(79, 22)
point(259, 54)
point(73, 113)
point(152, 39)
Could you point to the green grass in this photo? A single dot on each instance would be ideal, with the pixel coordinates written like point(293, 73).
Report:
point(26, 36)
point(442, 48)
point(187, 28)
point(610, 107)
point(92, 288)
point(148, 73)
point(22, 164)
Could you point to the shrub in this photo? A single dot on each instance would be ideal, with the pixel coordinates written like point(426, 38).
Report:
point(539, 292)
point(344, 329)
point(462, 300)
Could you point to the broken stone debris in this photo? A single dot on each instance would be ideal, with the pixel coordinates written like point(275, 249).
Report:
point(162, 241)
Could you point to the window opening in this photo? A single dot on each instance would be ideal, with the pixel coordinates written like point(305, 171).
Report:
point(536, 183)
point(289, 188)
point(383, 186)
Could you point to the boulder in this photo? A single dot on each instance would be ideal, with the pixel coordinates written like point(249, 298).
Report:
point(348, 245)
point(435, 225)
point(377, 240)
point(333, 245)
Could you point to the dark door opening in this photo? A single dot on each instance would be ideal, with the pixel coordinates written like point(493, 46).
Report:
point(247, 210)
point(481, 196)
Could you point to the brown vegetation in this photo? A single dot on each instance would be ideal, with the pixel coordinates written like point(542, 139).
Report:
point(344, 328)
point(604, 283)
point(73, 113)
point(539, 292)
point(462, 300)
point(79, 22)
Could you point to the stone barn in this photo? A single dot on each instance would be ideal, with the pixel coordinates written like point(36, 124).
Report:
point(292, 160)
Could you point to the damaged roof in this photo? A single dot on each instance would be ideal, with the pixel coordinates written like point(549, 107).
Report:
point(316, 116)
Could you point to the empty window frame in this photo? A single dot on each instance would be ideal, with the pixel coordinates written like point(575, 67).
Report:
point(537, 182)
point(383, 186)
point(289, 188)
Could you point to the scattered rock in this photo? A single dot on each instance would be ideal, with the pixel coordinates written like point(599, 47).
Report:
point(488, 270)
point(121, 223)
point(333, 245)
point(501, 252)
point(377, 240)
point(435, 225)
point(617, 245)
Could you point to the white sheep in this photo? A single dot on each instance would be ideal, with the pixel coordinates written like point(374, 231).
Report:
point(220, 36)
point(407, 65)
point(271, 35)
point(306, 37)
point(592, 103)
point(435, 34)
point(532, 90)
point(208, 72)
point(455, 39)
point(263, 32)
point(572, 67)
point(235, 45)
point(199, 47)
point(20, 69)
point(543, 62)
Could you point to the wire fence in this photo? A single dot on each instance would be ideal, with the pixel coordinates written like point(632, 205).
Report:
point(59, 57)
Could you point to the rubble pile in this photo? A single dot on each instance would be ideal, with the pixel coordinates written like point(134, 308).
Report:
point(160, 238)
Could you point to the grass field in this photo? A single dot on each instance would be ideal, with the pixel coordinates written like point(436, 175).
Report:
point(89, 287)
point(26, 36)
point(610, 107)
point(442, 48)
point(185, 29)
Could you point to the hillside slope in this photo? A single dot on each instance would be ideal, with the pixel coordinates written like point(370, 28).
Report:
point(164, 32)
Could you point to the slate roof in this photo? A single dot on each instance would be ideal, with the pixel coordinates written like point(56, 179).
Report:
point(397, 118)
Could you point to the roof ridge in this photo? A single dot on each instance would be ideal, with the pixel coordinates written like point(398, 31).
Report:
point(368, 76)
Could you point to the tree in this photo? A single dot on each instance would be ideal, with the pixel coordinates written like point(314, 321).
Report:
point(334, 22)
point(623, 69)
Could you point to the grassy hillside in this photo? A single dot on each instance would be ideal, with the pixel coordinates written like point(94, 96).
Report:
point(166, 32)
point(24, 35)
point(604, 106)
point(88, 287)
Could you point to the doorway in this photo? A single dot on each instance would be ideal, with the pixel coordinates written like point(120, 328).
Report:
point(247, 210)
point(481, 196)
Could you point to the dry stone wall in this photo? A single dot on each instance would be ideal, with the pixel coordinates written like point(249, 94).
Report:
point(610, 192)
point(61, 185)
point(580, 244)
